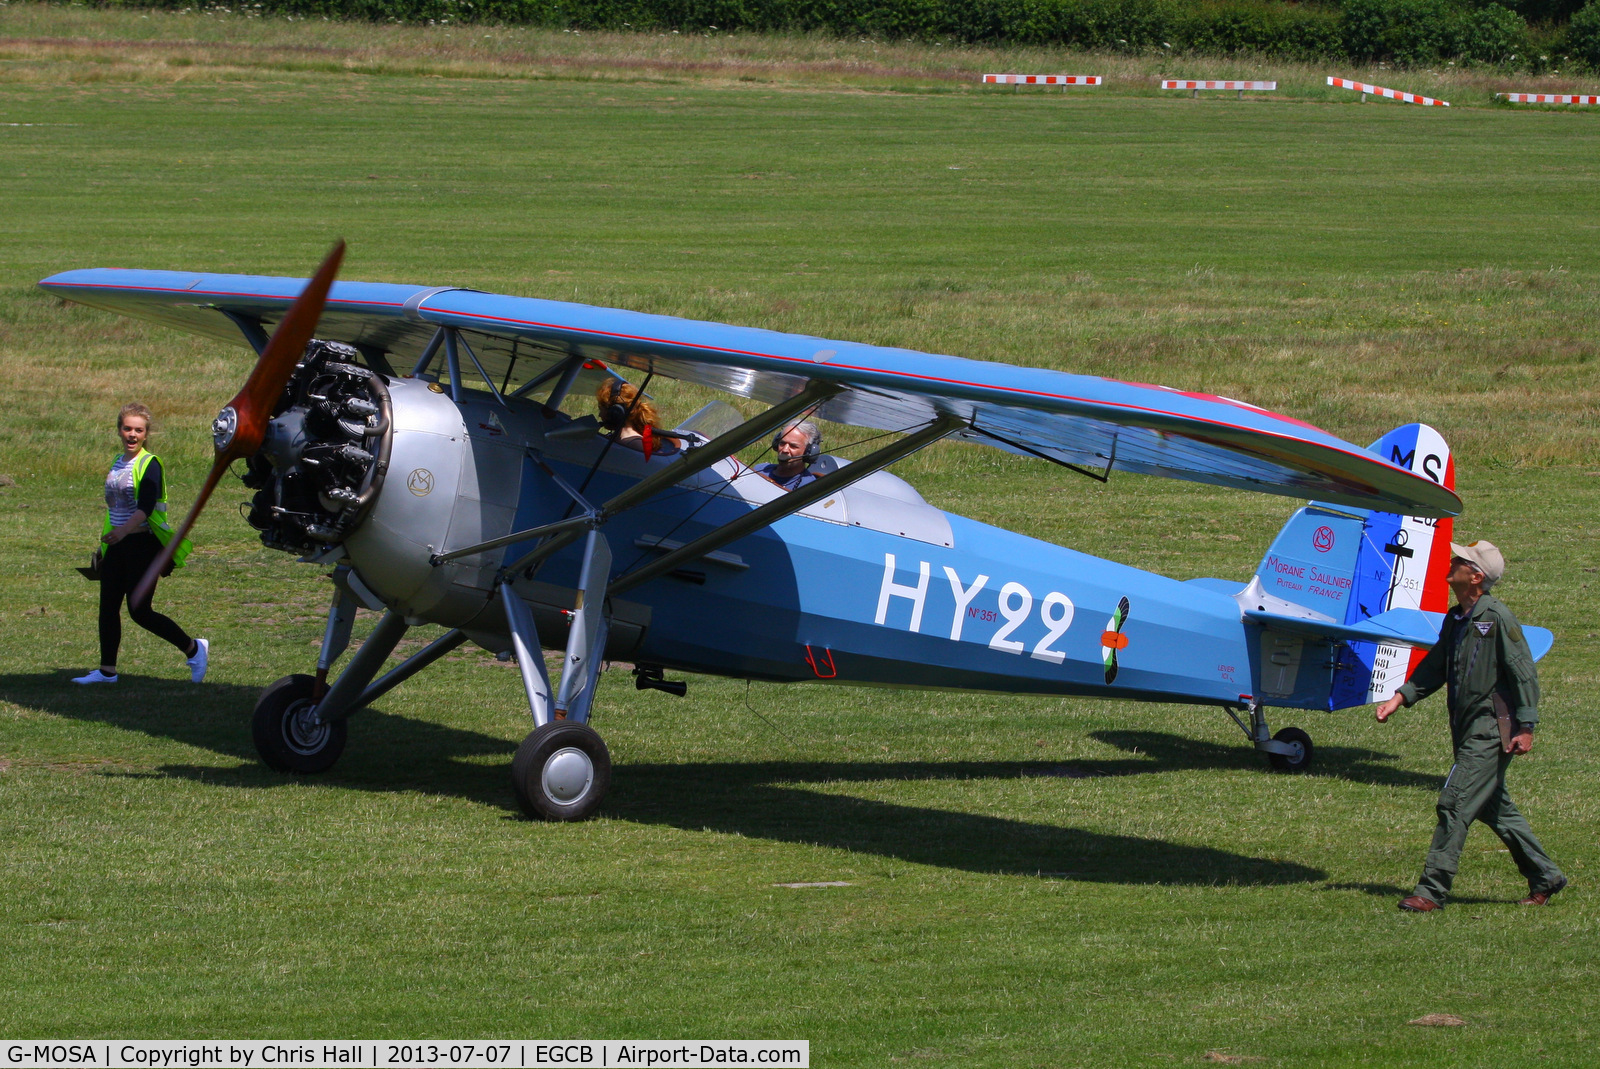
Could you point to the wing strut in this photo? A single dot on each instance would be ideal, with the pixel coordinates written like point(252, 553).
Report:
point(452, 360)
point(568, 369)
point(251, 328)
point(487, 381)
point(1099, 477)
point(563, 386)
point(564, 532)
point(431, 350)
point(790, 503)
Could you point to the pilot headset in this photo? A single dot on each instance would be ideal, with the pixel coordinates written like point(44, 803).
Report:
point(813, 442)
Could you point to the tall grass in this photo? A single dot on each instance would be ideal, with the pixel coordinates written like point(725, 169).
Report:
point(169, 45)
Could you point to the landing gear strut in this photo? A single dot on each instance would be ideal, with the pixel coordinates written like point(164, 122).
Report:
point(1289, 750)
point(561, 770)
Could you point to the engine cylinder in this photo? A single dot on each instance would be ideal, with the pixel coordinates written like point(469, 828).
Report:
point(326, 452)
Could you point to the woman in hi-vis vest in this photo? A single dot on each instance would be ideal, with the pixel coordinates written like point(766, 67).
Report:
point(134, 530)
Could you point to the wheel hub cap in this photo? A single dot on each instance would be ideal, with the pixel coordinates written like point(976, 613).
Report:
point(304, 733)
point(567, 775)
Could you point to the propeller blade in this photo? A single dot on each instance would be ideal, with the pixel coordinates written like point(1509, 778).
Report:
point(240, 428)
point(141, 593)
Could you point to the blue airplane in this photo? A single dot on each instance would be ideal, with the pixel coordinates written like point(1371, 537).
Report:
point(412, 439)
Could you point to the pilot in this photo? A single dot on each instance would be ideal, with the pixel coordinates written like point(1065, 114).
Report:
point(797, 447)
point(134, 530)
point(631, 418)
point(1486, 668)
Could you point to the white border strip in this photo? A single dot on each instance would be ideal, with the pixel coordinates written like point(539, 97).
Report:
point(403, 1053)
point(1392, 94)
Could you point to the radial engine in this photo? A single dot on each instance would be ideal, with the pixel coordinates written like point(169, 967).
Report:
point(325, 455)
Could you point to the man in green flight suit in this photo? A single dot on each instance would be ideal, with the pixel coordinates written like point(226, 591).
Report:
point(1485, 665)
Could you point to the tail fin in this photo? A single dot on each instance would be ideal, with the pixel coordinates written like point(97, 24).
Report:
point(1403, 565)
point(1343, 566)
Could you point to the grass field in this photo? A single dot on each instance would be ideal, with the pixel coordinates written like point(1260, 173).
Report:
point(1031, 882)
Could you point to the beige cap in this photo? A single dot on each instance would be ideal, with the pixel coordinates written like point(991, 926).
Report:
point(1484, 557)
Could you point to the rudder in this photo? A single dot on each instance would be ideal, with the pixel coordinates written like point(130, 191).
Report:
point(1402, 564)
point(1344, 566)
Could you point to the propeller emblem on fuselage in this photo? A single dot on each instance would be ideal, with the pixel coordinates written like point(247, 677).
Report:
point(1112, 639)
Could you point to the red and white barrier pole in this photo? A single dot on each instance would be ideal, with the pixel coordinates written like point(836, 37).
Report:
point(1545, 98)
point(1062, 80)
point(1239, 87)
point(1393, 94)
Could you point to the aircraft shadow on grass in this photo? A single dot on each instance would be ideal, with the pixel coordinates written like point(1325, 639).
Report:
point(763, 800)
point(756, 799)
point(410, 754)
point(1162, 752)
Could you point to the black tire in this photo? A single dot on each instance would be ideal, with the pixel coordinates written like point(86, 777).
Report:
point(561, 771)
point(1295, 762)
point(288, 740)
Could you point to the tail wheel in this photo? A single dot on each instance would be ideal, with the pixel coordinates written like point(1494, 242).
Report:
point(288, 735)
point(1297, 761)
point(561, 771)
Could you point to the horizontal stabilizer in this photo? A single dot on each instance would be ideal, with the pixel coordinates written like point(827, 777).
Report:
point(1411, 627)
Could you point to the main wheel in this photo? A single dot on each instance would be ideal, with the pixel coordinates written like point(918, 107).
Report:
point(561, 771)
point(1300, 759)
point(287, 733)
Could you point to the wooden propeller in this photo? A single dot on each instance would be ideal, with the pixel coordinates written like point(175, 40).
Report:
point(240, 428)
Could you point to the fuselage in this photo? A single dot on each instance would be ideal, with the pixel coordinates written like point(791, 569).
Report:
point(871, 586)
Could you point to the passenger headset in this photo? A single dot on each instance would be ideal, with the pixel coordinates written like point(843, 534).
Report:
point(813, 443)
point(614, 416)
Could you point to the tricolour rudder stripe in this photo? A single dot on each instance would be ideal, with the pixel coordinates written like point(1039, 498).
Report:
point(1402, 565)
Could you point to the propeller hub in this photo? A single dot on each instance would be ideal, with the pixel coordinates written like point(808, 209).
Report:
point(224, 427)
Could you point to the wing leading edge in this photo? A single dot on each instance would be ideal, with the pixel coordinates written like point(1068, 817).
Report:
point(1084, 420)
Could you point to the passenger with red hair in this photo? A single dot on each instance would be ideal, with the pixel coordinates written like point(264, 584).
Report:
point(631, 418)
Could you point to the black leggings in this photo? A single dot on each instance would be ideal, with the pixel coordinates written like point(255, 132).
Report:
point(123, 565)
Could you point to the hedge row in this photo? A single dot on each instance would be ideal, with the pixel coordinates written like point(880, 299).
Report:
point(1409, 32)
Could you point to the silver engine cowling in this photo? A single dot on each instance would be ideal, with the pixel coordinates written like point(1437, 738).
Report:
point(382, 474)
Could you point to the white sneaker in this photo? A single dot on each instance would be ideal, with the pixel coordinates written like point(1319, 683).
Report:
point(197, 663)
point(96, 676)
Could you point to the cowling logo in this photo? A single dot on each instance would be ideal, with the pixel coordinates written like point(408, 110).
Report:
point(420, 482)
point(1322, 539)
